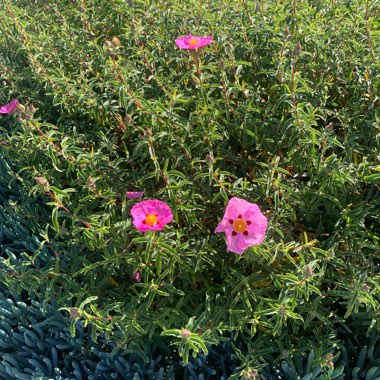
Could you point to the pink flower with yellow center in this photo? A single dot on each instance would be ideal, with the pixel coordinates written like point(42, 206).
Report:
point(151, 215)
point(193, 42)
point(10, 107)
point(244, 225)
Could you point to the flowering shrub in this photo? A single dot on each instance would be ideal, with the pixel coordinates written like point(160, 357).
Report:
point(281, 111)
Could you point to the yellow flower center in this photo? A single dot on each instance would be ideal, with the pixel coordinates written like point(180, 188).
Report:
point(193, 41)
point(240, 225)
point(151, 219)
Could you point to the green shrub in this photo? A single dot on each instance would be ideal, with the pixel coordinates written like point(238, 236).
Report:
point(282, 111)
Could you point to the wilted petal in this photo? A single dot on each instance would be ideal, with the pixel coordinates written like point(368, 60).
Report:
point(10, 107)
point(134, 194)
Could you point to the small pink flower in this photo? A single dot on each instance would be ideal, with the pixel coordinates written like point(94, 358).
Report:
point(193, 42)
point(134, 194)
point(10, 107)
point(244, 225)
point(137, 277)
point(151, 215)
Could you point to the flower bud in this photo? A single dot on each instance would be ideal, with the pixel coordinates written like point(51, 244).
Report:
point(329, 360)
point(74, 313)
point(285, 353)
point(288, 33)
point(137, 277)
point(30, 111)
point(185, 334)
point(209, 159)
point(366, 288)
point(309, 272)
point(20, 108)
point(116, 42)
point(251, 374)
point(43, 182)
point(90, 183)
point(298, 48)
point(282, 310)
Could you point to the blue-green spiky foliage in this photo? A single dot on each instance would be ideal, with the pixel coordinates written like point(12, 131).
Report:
point(35, 343)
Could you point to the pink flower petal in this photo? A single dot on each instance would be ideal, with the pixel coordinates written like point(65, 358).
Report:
point(154, 206)
point(237, 244)
point(254, 229)
point(137, 277)
point(134, 194)
point(257, 229)
point(193, 42)
point(10, 107)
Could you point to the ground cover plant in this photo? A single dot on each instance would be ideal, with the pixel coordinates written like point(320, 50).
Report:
point(280, 109)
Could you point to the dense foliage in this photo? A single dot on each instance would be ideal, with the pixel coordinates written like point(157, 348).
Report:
point(281, 110)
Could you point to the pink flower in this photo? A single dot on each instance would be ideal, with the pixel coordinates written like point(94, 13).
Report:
point(244, 225)
point(193, 42)
point(10, 107)
point(151, 215)
point(134, 194)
